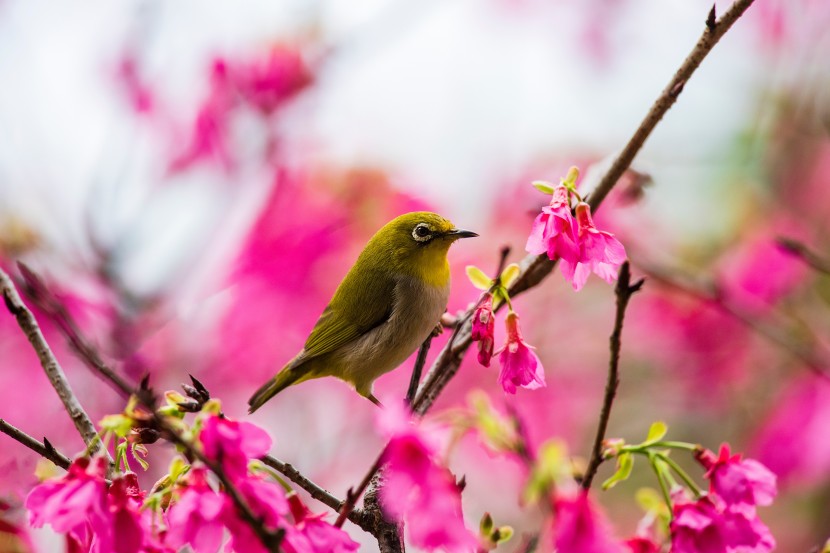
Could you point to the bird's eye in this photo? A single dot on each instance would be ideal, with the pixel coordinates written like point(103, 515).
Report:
point(422, 232)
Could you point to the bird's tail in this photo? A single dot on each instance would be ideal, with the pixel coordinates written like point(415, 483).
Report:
point(280, 382)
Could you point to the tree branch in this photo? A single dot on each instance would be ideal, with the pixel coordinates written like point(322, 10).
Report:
point(624, 292)
point(420, 361)
point(802, 252)
point(44, 449)
point(534, 269)
point(50, 364)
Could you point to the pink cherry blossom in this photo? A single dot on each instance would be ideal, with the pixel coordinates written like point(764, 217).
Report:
point(75, 504)
point(520, 366)
point(125, 499)
point(420, 490)
point(642, 544)
point(233, 443)
point(579, 528)
point(313, 534)
point(267, 82)
point(737, 481)
point(705, 526)
point(554, 230)
point(267, 501)
point(599, 252)
point(195, 518)
point(484, 322)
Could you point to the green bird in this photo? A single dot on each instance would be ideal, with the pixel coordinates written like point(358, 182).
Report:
point(385, 307)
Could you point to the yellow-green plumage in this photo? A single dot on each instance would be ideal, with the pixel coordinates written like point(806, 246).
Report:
point(384, 308)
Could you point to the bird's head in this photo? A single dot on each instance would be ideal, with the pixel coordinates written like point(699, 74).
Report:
point(418, 242)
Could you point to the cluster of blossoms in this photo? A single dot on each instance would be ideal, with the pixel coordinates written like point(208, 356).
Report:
point(520, 366)
point(185, 508)
point(576, 242)
point(420, 490)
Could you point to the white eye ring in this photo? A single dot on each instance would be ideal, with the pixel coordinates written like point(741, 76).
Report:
point(420, 227)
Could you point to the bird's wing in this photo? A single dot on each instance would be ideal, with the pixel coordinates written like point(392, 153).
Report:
point(371, 299)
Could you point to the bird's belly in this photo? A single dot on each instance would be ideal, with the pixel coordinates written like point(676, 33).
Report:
point(418, 308)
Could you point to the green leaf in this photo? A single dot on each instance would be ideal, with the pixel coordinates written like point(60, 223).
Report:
point(509, 275)
point(656, 432)
point(570, 179)
point(119, 425)
point(625, 463)
point(478, 278)
point(543, 186)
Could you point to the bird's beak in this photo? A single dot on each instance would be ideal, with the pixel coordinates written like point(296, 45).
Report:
point(461, 233)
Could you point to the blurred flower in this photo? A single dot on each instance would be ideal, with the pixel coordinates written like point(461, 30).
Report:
point(701, 526)
point(484, 322)
point(232, 443)
point(313, 534)
point(520, 366)
point(792, 441)
point(13, 536)
point(736, 481)
point(75, 504)
point(195, 518)
point(420, 490)
point(137, 90)
point(267, 82)
point(642, 544)
point(579, 528)
point(599, 252)
point(554, 230)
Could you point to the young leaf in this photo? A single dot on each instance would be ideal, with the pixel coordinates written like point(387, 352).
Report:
point(625, 463)
point(656, 432)
point(509, 275)
point(543, 186)
point(485, 527)
point(478, 278)
point(502, 534)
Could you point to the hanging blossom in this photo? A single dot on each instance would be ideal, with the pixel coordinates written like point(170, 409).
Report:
point(520, 366)
point(483, 331)
point(579, 527)
point(195, 518)
point(738, 481)
point(232, 443)
point(554, 230)
point(419, 490)
point(706, 525)
point(313, 534)
point(94, 518)
point(599, 252)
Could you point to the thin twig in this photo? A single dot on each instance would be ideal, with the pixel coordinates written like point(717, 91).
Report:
point(624, 291)
point(805, 254)
point(534, 269)
point(44, 449)
point(43, 298)
point(420, 361)
point(354, 494)
point(50, 364)
point(806, 355)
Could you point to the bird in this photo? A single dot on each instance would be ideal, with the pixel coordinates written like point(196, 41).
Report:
point(387, 304)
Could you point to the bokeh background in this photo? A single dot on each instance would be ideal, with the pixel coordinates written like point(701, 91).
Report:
point(194, 179)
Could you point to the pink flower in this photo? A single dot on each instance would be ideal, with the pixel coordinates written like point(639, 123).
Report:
point(267, 501)
point(420, 490)
point(233, 443)
point(266, 83)
point(75, 504)
point(704, 527)
point(579, 528)
point(599, 252)
point(484, 322)
point(519, 365)
point(313, 535)
point(195, 518)
point(125, 499)
point(736, 481)
point(554, 230)
point(642, 544)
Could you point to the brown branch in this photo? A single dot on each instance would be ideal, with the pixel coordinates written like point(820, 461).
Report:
point(802, 252)
point(534, 269)
point(53, 370)
point(624, 291)
point(45, 449)
point(420, 361)
point(43, 298)
point(354, 494)
point(709, 294)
